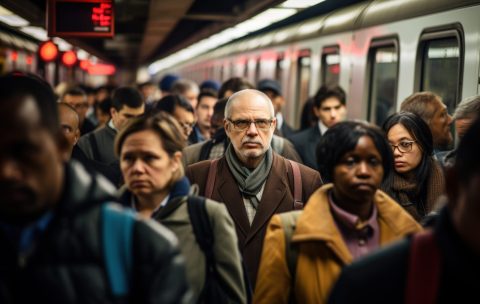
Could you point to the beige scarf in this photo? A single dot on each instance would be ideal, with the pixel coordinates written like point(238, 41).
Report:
point(407, 191)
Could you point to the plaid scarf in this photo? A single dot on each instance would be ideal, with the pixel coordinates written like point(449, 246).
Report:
point(249, 181)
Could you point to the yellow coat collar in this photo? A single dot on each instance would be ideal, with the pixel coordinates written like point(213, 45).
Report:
point(316, 223)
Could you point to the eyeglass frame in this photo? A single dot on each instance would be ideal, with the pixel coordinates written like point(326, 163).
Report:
point(234, 123)
point(397, 146)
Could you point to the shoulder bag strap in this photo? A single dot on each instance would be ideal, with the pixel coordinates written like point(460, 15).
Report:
point(297, 186)
point(423, 269)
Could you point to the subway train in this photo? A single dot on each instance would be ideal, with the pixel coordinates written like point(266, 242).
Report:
point(379, 51)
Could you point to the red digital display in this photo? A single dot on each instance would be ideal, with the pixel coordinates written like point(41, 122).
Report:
point(81, 18)
point(102, 15)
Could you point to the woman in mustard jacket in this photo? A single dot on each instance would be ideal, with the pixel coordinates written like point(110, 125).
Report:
point(342, 221)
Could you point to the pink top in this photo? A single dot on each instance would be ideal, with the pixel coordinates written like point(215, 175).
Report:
point(360, 237)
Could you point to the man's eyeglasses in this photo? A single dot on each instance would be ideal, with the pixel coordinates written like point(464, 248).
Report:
point(404, 146)
point(243, 124)
point(186, 125)
point(80, 106)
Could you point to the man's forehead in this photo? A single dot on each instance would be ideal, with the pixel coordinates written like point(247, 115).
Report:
point(331, 102)
point(128, 110)
point(68, 117)
point(69, 98)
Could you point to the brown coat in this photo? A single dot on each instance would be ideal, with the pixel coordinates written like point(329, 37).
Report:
point(322, 253)
point(277, 197)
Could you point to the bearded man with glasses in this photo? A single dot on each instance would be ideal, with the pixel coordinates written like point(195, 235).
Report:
point(251, 179)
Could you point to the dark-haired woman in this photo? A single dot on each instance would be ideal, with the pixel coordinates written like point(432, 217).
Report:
point(417, 180)
point(342, 220)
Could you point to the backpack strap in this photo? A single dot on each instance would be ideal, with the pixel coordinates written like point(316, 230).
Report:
point(423, 269)
point(289, 223)
point(94, 146)
point(200, 224)
point(297, 186)
point(117, 235)
point(202, 230)
point(212, 173)
point(205, 150)
point(205, 238)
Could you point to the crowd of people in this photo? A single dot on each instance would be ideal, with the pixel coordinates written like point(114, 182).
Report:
point(187, 193)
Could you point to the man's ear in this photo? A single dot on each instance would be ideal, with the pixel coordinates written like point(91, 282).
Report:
point(226, 125)
point(452, 184)
point(63, 146)
point(176, 160)
point(316, 111)
point(113, 112)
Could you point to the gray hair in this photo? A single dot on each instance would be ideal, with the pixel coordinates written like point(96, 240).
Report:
point(238, 94)
point(468, 108)
point(182, 86)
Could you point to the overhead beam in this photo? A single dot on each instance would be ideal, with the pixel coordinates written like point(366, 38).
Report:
point(163, 16)
point(211, 17)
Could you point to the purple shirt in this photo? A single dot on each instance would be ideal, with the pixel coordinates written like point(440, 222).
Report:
point(360, 237)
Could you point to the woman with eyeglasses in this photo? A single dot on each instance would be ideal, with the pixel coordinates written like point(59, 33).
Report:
point(417, 180)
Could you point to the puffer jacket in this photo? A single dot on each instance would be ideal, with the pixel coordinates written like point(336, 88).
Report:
point(65, 264)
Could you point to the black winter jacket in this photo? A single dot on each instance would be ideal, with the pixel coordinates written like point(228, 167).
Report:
point(66, 263)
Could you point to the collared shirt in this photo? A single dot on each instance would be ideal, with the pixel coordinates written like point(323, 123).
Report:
point(279, 117)
point(163, 203)
point(251, 211)
point(323, 128)
point(360, 237)
point(111, 125)
point(198, 133)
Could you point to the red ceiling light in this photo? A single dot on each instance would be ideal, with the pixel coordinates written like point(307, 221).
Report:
point(29, 59)
point(84, 64)
point(101, 69)
point(69, 58)
point(48, 51)
point(14, 56)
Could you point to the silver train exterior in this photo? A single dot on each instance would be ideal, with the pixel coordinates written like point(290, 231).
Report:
point(379, 51)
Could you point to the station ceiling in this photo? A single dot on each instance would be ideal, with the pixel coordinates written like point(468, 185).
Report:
point(146, 30)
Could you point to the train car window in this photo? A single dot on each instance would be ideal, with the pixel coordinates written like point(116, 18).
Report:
point(383, 71)
point(303, 76)
point(330, 69)
point(441, 70)
point(440, 59)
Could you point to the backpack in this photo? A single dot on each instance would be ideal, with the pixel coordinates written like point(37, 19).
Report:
point(423, 276)
point(289, 224)
point(117, 237)
point(213, 291)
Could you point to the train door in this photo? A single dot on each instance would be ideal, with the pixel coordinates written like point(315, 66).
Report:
point(330, 68)
point(258, 70)
point(280, 67)
point(440, 65)
point(303, 79)
point(382, 80)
